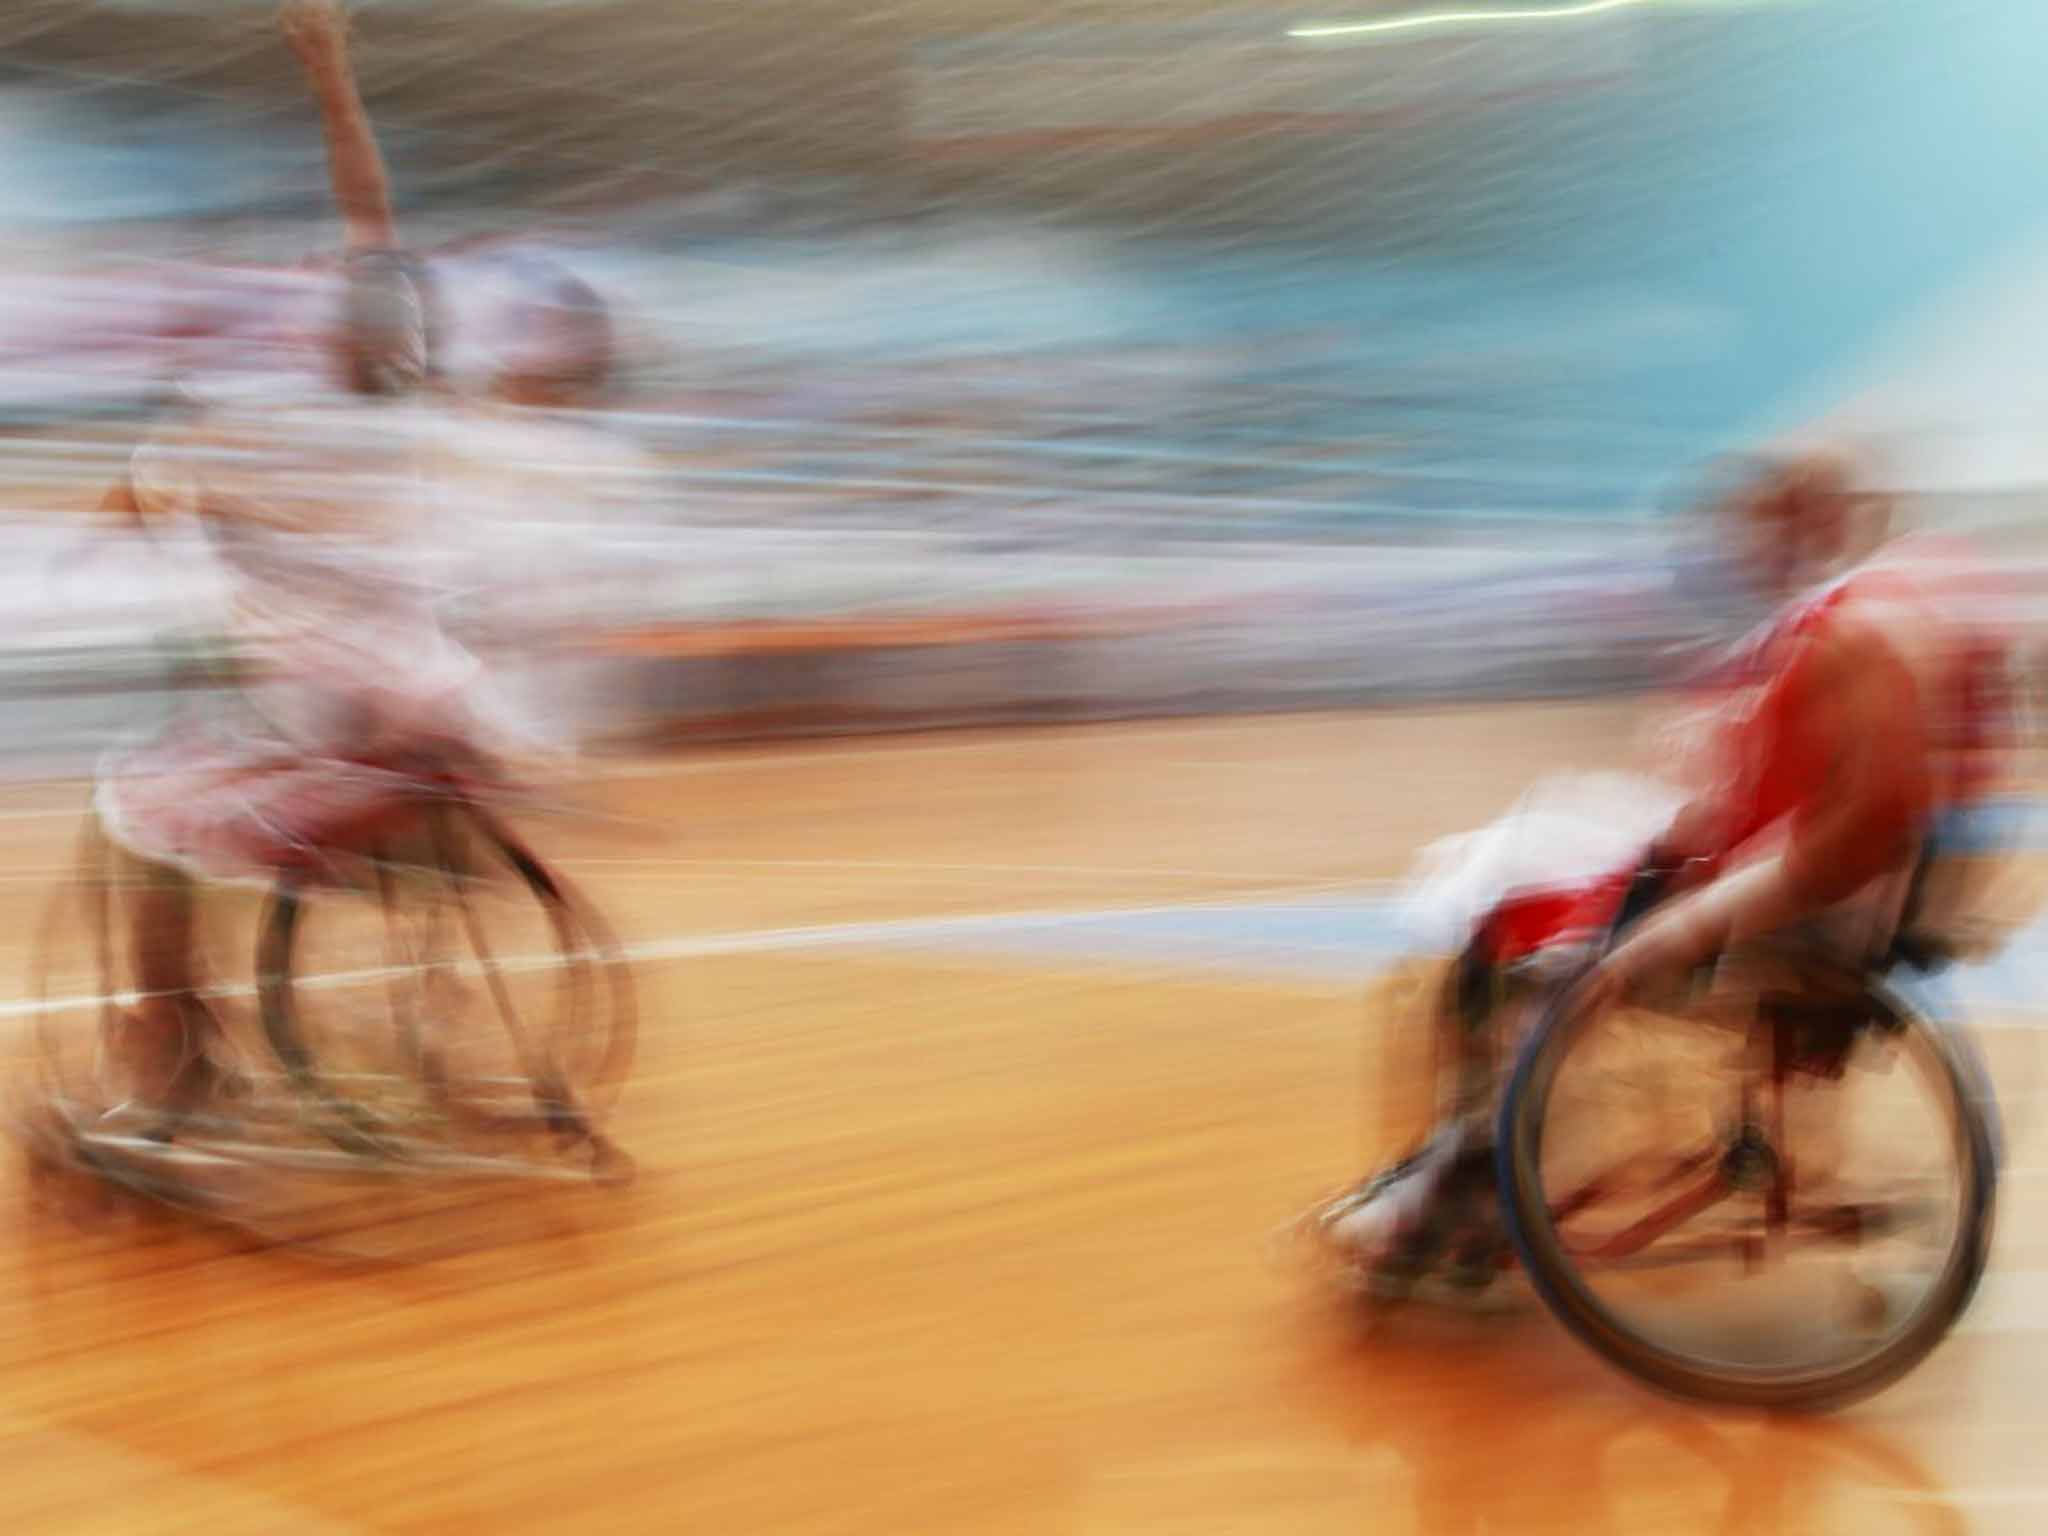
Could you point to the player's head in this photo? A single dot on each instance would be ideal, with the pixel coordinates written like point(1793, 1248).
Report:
point(380, 338)
point(1792, 517)
point(558, 347)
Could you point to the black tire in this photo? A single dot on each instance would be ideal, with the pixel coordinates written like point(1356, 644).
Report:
point(1563, 1288)
point(574, 1061)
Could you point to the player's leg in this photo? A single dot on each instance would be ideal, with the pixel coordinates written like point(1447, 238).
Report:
point(1433, 1208)
point(163, 1043)
point(1427, 1207)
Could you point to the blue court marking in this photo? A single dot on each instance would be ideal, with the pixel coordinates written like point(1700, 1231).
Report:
point(1347, 937)
point(1338, 939)
point(1353, 939)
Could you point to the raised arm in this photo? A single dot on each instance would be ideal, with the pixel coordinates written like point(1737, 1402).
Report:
point(318, 33)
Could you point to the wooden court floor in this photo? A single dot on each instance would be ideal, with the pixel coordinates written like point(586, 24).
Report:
point(935, 1238)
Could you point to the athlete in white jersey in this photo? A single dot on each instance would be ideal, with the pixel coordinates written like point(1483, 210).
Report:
point(329, 519)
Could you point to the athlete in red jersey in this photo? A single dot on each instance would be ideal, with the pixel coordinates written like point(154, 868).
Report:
point(1871, 707)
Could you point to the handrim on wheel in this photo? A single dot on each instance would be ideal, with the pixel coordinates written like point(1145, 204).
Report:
point(1744, 1261)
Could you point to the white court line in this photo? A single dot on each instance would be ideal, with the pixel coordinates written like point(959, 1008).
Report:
point(746, 941)
point(882, 931)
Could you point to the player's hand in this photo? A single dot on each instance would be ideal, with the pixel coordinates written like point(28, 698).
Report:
point(1607, 985)
point(1661, 947)
point(121, 502)
point(316, 29)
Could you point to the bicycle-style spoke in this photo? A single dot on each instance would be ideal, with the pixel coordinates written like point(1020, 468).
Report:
point(1765, 1215)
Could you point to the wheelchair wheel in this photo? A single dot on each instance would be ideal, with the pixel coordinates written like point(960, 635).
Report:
point(449, 989)
point(1777, 1192)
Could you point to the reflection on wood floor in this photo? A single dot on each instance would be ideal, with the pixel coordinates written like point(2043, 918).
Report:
point(931, 1237)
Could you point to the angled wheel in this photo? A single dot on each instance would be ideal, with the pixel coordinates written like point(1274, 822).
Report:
point(452, 988)
point(1778, 1194)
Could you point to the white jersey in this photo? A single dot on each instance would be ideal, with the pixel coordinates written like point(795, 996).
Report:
point(337, 538)
point(559, 512)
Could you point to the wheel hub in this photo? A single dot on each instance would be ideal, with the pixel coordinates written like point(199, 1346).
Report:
point(1750, 1162)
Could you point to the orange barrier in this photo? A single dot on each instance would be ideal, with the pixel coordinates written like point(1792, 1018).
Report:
point(782, 637)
